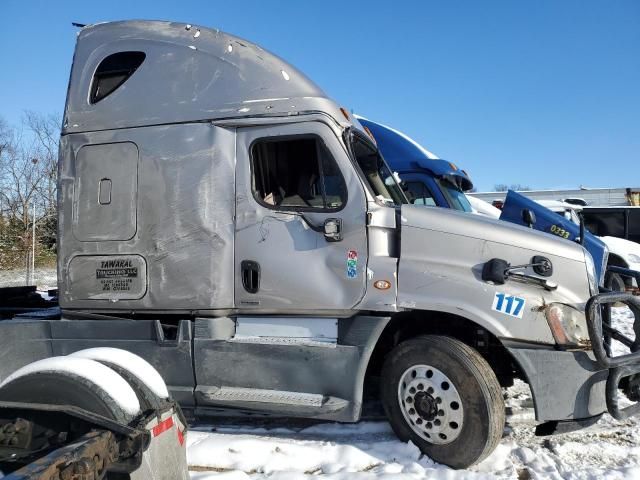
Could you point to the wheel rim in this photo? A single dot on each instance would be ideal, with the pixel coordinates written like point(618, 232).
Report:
point(430, 404)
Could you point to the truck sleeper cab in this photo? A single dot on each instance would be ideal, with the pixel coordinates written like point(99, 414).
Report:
point(223, 218)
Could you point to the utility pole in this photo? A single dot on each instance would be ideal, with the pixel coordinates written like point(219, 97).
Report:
point(33, 236)
point(33, 245)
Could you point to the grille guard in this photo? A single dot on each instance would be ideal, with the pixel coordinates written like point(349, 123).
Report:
point(601, 333)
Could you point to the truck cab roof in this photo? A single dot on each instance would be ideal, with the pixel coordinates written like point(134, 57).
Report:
point(139, 73)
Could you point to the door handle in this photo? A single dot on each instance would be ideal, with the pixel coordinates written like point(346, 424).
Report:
point(250, 272)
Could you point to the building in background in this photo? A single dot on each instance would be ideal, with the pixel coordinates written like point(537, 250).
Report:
point(595, 197)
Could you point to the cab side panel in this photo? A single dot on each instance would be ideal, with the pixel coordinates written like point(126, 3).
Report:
point(146, 218)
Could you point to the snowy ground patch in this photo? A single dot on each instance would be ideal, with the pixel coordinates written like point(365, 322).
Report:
point(45, 278)
point(609, 450)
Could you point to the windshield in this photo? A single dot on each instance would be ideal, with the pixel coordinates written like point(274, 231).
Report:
point(378, 175)
point(455, 197)
point(571, 215)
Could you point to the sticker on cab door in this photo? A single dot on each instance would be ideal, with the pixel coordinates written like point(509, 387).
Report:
point(508, 304)
point(352, 264)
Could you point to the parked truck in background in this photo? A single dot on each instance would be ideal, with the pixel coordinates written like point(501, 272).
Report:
point(223, 218)
point(427, 179)
point(432, 181)
point(619, 222)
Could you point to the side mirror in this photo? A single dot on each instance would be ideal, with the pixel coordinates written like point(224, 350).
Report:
point(495, 271)
point(529, 217)
point(333, 229)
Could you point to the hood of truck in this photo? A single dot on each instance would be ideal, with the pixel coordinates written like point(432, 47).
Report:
point(555, 224)
point(442, 255)
point(488, 229)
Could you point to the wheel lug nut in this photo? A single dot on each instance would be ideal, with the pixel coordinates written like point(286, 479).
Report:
point(437, 422)
point(441, 413)
point(430, 390)
point(438, 400)
point(412, 390)
point(429, 425)
point(409, 400)
point(419, 421)
point(412, 411)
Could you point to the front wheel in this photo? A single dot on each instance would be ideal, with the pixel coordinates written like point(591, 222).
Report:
point(443, 396)
point(614, 282)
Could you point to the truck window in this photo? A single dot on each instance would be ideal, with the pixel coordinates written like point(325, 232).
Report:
point(634, 225)
point(297, 173)
point(605, 224)
point(456, 197)
point(420, 194)
point(376, 173)
point(112, 72)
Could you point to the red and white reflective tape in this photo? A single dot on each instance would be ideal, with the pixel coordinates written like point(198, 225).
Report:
point(163, 426)
point(168, 424)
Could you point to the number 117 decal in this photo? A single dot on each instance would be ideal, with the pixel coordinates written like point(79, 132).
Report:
point(508, 304)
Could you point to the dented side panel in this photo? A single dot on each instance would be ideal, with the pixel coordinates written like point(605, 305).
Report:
point(180, 256)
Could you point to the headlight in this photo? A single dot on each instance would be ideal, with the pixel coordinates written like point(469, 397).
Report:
point(591, 273)
point(567, 324)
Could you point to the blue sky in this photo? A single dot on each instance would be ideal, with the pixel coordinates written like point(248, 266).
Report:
point(543, 93)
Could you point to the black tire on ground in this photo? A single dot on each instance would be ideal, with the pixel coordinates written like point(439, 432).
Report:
point(63, 388)
point(614, 282)
point(478, 388)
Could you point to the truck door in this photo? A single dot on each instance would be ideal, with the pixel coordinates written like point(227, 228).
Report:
point(291, 179)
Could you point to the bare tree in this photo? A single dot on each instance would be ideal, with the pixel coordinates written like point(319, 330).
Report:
point(46, 132)
point(28, 173)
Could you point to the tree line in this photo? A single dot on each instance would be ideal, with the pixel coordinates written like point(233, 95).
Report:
point(28, 175)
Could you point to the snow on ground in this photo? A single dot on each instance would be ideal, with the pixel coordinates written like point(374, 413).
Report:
point(369, 450)
point(45, 278)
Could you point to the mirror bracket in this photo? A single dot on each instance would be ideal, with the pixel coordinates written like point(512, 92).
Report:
point(333, 229)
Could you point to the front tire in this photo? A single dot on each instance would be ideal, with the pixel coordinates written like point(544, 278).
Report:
point(443, 396)
point(615, 282)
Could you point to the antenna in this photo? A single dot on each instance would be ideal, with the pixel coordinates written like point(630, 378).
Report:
point(79, 25)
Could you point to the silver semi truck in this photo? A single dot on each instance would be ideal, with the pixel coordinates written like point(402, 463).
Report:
point(223, 218)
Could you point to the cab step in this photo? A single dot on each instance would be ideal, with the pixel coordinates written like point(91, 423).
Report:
point(270, 400)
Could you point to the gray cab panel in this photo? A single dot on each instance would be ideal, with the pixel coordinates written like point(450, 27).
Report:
point(294, 371)
point(182, 248)
point(105, 192)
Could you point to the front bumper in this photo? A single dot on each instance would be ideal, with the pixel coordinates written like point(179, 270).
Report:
point(573, 386)
point(565, 386)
